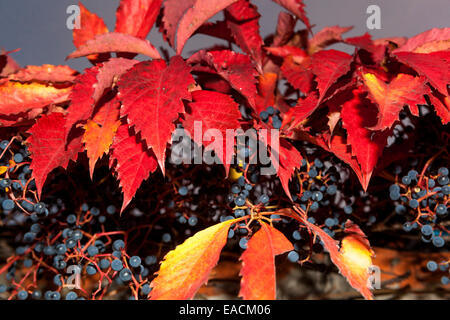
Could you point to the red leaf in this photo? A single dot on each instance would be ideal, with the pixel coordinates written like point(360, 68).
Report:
point(326, 37)
point(82, 101)
point(303, 109)
point(151, 94)
point(357, 115)
point(329, 66)
point(429, 41)
point(91, 26)
point(242, 19)
point(16, 97)
point(109, 73)
point(134, 162)
point(236, 68)
point(289, 159)
point(338, 146)
point(187, 267)
point(214, 111)
point(287, 50)
point(136, 17)
point(441, 106)
point(218, 29)
point(391, 98)
point(435, 66)
point(297, 7)
point(285, 28)
point(48, 148)
point(365, 42)
point(115, 42)
point(91, 86)
point(7, 65)
point(172, 14)
point(181, 19)
point(258, 266)
point(298, 75)
point(45, 73)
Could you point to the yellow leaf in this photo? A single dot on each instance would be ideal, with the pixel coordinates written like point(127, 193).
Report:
point(3, 169)
point(356, 254)
point(187, 267)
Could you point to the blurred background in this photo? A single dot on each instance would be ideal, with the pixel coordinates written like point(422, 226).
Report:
point(39, 27)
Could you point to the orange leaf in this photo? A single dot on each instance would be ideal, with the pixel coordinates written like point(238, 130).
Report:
point(266, 91)
point(187, 267)
point(17, 97)
point(45, 73)
point(258, 266)
point(353, 258)
point(100, 132)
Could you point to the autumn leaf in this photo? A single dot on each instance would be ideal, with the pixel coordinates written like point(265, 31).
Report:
point(151, 94)
point(374, 48)
point(16, 97)
point(357, 115)
point(258, 266)
point(236, 68)
point(441, 105)
point(45, 73)
point(303, 109)
point(109, 73)
point(136, 17)
point(328, 66)
point(214, 111)
point(289, 159)
point(353, 258)
point(288, 50)
point(48, 148)
point(82, 102)
point(299, 75)
point(100, 131)
point(7, 65)
point(326, 37)
point(197, 13)
point(115, 42)
point(297, 7)
point(285, 29)
point(429, 41)
point(91, 86)
point(434, 66)
point(91, 25)
point(242, 19)
point(187, 267)
point(267, 83)
point(391, 98)
point(133, 162)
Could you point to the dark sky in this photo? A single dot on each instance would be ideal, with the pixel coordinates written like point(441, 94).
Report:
point(39, 27)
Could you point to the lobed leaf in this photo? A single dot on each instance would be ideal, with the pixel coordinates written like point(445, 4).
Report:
point(152, 95)
point(133, 162)
point(48, 147)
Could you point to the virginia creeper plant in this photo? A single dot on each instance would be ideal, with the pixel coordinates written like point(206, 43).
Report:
point(358, 144)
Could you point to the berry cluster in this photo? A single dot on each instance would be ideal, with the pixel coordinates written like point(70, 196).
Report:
point(423, 199)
